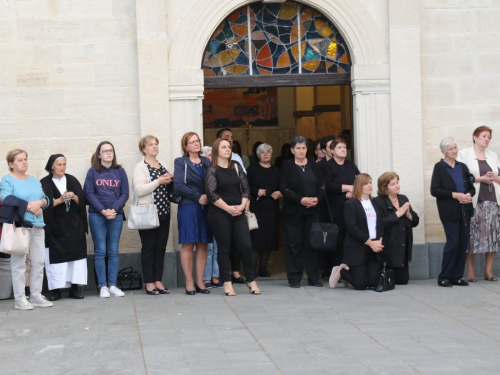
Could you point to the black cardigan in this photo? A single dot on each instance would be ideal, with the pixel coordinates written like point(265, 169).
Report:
point(334, 176)
point(357, 231)
point(292, 187)
point(398, 233)
point(443, 186)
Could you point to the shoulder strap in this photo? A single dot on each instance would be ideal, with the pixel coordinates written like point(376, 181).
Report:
point(237, 170)
point(185, 171)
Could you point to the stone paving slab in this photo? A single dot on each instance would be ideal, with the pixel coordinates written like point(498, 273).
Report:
point(416, 329)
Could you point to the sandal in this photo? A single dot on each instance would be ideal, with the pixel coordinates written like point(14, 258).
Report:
point(231, 292)
point(490, 278)
point(153, 292)
point(445, 283)
point(254, 291)
point(472, 279)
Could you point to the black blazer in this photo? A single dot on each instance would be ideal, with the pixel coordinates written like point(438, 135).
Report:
point(194, 187)
point(443, 186)
point(292, 187)
point(357, 231)
point(398, 233)
point(334, 176)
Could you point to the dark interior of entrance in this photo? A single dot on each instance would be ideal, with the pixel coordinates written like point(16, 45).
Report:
point(274, 115)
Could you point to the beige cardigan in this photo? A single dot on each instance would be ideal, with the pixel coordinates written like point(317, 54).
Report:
point(468, 157)
point(142, 184)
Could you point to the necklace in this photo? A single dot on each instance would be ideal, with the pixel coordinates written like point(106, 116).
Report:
point(303, 167)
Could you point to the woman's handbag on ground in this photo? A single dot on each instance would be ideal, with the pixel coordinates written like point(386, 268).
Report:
point(143, 217)
point(324, 235)
point(386, 281)
point(14, 240)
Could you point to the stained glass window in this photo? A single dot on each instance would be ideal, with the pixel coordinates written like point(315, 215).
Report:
point(288, 38)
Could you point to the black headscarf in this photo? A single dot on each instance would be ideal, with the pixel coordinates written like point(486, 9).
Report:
point(52, 160)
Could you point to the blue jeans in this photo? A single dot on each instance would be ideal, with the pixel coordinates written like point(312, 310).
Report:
point(212, 267)
point(106, 236)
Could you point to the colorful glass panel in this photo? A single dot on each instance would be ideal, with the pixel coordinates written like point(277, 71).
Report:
point(274, 44)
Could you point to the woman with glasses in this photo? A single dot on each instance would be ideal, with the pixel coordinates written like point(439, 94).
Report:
point(189, 182)
point(106, 191)
point(151, 177)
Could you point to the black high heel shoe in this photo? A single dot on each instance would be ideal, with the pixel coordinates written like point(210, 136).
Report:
point(190, 292)
point(153, 292)
point(254, 291)
point(199, 290)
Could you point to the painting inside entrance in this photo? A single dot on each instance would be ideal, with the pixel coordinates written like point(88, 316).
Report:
point(235, 107)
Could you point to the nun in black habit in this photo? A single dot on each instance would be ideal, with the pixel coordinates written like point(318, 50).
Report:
point(66, 225)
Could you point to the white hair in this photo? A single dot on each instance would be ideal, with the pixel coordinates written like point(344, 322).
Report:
point(447, 142)
point(262, 147)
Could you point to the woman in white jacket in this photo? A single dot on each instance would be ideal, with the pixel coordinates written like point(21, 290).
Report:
point(151, 177)
point(485, 224)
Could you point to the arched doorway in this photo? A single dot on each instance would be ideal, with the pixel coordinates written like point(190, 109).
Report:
point(272, 71)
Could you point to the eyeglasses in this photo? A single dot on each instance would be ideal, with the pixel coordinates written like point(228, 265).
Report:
point(193, 142)
point(108, 152)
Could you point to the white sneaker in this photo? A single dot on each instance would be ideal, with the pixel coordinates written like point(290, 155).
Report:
point(104, 292)
point(23, 304)
point(40, 301)
point(116, 292)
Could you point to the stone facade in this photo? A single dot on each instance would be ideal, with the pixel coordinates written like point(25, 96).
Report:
point(73, 73)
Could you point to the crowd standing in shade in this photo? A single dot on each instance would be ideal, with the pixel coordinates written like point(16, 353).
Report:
point(65, 229)
point(150, 181)
point(216, 191)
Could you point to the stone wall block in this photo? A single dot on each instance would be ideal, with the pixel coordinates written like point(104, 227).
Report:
point(8, 75)
point(47, 53)
point(9, 104)
point(477, 43)
point(87, 9)
point(72, 75)
point(78, 53)
point(7, 31)
point(440, 21)
point(16, 54)
point(440, 116)
point(116, 75)
point(124, 52)
point(441, 66)
point(488, 115)
point(101, 101)
point(62, 128)
point(404, 13)
point(111, 125)
point(454, 4)
point(49, 30)
point(33, 76)
point(486, 64)
point(7, 9)
point(438, 92)
point(123, 8)
point(487, 20)
point(11, 130)
point(436, 44)
point(479, 91)
point(109, 30)
point(41, 103)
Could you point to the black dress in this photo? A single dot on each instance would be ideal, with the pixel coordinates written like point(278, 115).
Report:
point(266, 208)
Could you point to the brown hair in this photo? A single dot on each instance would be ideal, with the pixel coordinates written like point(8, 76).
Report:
point(184, 142)
point(336, 141)
point(357, 187)
point(11, 156)
point(479, 130)
point(96, 161)
point(143, 142)
point(383, 182)
point(215, 153)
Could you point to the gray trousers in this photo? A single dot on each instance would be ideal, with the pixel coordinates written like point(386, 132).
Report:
point(5, 278)
point(37, 258)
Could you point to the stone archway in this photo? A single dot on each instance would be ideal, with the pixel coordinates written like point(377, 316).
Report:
point(370, 72)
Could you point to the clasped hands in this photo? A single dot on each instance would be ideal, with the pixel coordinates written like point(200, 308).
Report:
point(462, 198)
point(275, 194)
point(236, 210)
point(109, 214)
point(309, 202)
point(35, 207)
point(165, 179)
point(375, 245)
point(404, 210)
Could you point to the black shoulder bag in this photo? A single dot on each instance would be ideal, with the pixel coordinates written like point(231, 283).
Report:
point(386, 281)
point(324, 235)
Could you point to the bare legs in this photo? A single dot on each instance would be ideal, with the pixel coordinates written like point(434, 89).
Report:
point(470, 266)
point(187, 263)
point(488, 269)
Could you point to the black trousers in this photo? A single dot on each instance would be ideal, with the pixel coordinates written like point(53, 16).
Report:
point(402, 274)
point(235, 258)
point(154, 244)
point(365, 274)
point(227, 228)
point(298, 250)
point(457, 239)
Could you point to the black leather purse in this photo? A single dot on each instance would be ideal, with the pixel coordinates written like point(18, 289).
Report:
point(128, 279)
point(324, 235)
point(386, 281)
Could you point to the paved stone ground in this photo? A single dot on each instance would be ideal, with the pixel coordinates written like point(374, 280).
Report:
point(415, 329)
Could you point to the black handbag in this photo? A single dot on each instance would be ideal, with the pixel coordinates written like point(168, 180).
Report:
point(324, 235)
point(386, 281)
point(128, 279)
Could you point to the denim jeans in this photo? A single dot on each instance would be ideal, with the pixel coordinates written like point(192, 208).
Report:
point(106, 237)
point(212, 267)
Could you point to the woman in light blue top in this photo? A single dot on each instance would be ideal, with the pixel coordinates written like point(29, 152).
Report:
point(24, 193)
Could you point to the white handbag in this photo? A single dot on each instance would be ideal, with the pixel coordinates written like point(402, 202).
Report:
point(252, 220)
point(15, 240)
point(143, 217)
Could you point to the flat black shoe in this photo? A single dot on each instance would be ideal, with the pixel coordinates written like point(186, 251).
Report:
point(460, 283)
point(55, 295)
point(190, 292)
point(318, 284)
point(295, 286)
point(202, 291)
point(445, 283)
point(76, 292)
point(153, 292)
point(238, 280)
point(163, 291)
